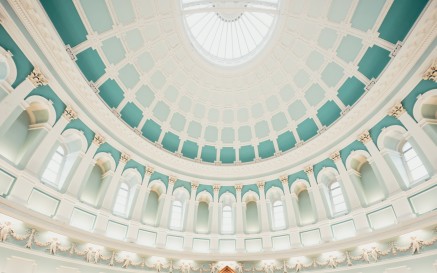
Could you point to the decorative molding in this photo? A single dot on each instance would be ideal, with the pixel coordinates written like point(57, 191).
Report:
point(261, 184)
point(172, 179)
point(98, 139)
point(284, 179)
point(124, 158)
point(308, 170)
point(69, 113)
point(238, 187)
point(397, 110)
point(431, 73)
point(216, 188)
point(194, 185)
point(335, 156)
point(149, 171)
point(364, 137)
point(37, 77)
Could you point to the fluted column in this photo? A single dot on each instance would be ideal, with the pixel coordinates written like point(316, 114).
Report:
point(192, 205)
point(239, 211)
point(291, 216)
point(263, 207)
point(84, 167)
point(215, 212)
point(41, 153)
point(167, 203)
point(425, 143)
point(315, 192)
point(350, 191)
point(143, 195)
point(9, 103)
point(384, 171)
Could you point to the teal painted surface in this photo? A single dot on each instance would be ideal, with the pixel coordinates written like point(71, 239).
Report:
point(323, 164)
point(24, 67)
point(111, 93)
point(354, 146)
point(251, 187)
point(189, 149)
point(159, 176)
point(151, 130)
point(151, 209)
point(202, 218)
point(349, 48)
point(47, 92)
point(129, 76)
point(145, 96)
point(366, 14)
point(332, 74)
point(113, 50)
point(286, 141)
point(182, 184)
point(170, 142)
point(266, 149)
point(314, 95)
point(247, 153)
point(90, 64)
point(351, 90)
point(295, 176)
point(400, 18)
point(107, 148)
point(79, 125)
point(421, 88)
point(225, 189)
point(132, 164)
point(227, 155)
point(385, 122)
point(207, 188)
point(97, 14)
point(252, 222)
point(374, 61)
point(64, 15)
point(328, 113)
point(273, 183)
point(307, 129)
point(208, 154)
point(338, 10)
point(131, 114)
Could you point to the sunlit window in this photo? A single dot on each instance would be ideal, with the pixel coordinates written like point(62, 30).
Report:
point(227, 223)
point(415, 167)
point(176, 215)
point(53, 171)
point(229, 32)
point(337, 199)
point(278, 215)
point(122, 199)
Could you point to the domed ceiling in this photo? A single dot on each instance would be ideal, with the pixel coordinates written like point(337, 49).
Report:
point(318, 60)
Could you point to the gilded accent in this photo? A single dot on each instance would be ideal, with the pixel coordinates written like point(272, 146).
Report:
point(194, 185)
point(238, 187)
point(261, 184)
point(308, 169)
point(149, 171)
point(216, 187)
point(37, 78)
point(124, 158)
point(335, 156)
point(431, 73)
point(284, 179)
point(98, 139)
point(69, 113)
point(397, 110)
point(364, 137)
point(172, 179)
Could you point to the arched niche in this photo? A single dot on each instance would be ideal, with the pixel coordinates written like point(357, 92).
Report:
point(227, 213)
point(251, 213)
point(303, 203)
point(425, 113)
point(365, 177)
point(97, 179)
point(74, 144)
point(392, 143)
point(203, 215)
point(153, 205)
point(128, 185)
point(8, 70)
point(179, 207)
point(276, 208)
point(333, 191)
point(24, 130)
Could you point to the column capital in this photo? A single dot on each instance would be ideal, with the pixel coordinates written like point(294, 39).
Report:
point(397, 110)
point(284, 179)
point(149, 171)
point(37, 78)
point(335, 156)
point(69, 113)
point(216, 188)
point(364, 137)
point(124, 158)
point(431, 73)
point(194, 186)
point(238, 187)
point(98, 139)
point(172, 179)
point(261, 184)
point(308, 170)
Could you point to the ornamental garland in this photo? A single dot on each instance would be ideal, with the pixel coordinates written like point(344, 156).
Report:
point(91, 255)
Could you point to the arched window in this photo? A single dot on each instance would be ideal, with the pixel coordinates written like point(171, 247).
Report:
point(278, 215)
point(176, 215)
point(122, 199)
point(52, 173)
point(227, 223)
point(337, 199)
point(415, 167)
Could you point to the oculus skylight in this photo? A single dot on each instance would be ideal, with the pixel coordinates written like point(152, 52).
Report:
point(229, 32)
